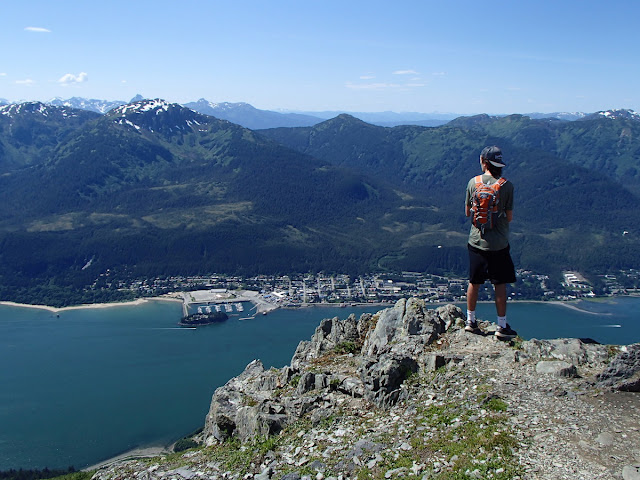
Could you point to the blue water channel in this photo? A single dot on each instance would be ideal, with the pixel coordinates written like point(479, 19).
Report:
point(85, 385)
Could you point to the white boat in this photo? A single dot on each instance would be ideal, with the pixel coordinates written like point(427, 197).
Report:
point(207, 309)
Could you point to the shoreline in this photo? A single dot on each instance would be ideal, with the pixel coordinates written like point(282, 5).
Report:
point(137, 301)
point(568, 304)
point(140, 452)
point(263, 306)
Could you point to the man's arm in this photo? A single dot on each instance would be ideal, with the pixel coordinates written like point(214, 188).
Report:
point(467, 200)
point(509, 215)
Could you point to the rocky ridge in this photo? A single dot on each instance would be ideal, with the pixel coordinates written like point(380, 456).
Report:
point(407, 393)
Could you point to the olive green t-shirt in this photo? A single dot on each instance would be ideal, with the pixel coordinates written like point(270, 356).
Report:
point(498, 237)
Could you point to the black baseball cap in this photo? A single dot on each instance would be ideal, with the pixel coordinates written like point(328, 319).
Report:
point(493, 155)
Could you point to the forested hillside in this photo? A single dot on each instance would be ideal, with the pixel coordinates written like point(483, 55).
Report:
point(153, 188)
point(575, 181)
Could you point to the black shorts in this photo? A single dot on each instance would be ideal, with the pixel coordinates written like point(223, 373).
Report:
point(493, 265)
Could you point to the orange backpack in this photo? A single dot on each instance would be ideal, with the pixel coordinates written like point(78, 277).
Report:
point(484, 205)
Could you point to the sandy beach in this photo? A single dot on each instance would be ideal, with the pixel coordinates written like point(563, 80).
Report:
point(565, 303)
point(138, 301)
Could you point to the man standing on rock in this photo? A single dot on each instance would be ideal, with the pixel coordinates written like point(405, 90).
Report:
point(489, 257)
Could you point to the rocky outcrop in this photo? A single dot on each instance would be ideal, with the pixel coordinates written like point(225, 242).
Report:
point(373, 356)
point(623, 372)
point(381, 351)
point(386, 395)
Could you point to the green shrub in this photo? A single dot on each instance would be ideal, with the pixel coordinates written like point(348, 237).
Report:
point(347, 347)
point(184, 444)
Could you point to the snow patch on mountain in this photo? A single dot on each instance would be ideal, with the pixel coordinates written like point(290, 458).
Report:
point(222, 106)
point(620, 113)
point(143, 106)
point(92, 104)
point(156, 115)
point(36, 108)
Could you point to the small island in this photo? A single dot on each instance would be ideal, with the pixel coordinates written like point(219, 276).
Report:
point(199, 319)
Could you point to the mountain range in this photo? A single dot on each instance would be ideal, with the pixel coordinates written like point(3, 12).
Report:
point(154, 188)
point(250, 117)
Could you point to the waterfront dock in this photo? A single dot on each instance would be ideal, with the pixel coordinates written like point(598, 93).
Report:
point(226, 300)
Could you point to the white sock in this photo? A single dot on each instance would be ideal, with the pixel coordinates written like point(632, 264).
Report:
point(471, 316)
point(502, 321)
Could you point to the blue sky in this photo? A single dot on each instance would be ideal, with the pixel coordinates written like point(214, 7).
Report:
point(406, 56)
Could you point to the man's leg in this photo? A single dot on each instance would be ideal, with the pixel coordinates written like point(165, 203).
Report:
point(501, 299)
point(472, 296)
point(503, 331)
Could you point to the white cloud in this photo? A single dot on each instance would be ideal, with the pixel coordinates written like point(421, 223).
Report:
point(28, 82)
point(371, 86)
point(367, 77)
point(2, 74)
point(37, 29)
point(439, 74)
point(71, 79)
point(405, 72)
point(382, 86)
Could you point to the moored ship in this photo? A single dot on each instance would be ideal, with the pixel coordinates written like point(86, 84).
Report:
point(200, 319)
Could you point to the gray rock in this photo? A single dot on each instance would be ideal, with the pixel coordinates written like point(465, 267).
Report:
point(623, 372)
point(557, 368)
point(433, 362)
point(318, 465)
point(572, 350)
point(450, 315)
point(291, 476)
point(251, 422)
point(605, 439)
point(184, 473)
point(286, 374)
point(319, 415)
point(296, 407)
point(306, 383)
point(387, 327)
point(331, 333)
point(631, 472)
point(383, 377)
point(351, 386)
point(395, 472)
point(364, 446)
point(299, 357)
point(264, 475)
point(408, 321)
point(243, 407)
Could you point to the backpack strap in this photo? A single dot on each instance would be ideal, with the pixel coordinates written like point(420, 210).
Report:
point(501, 181)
